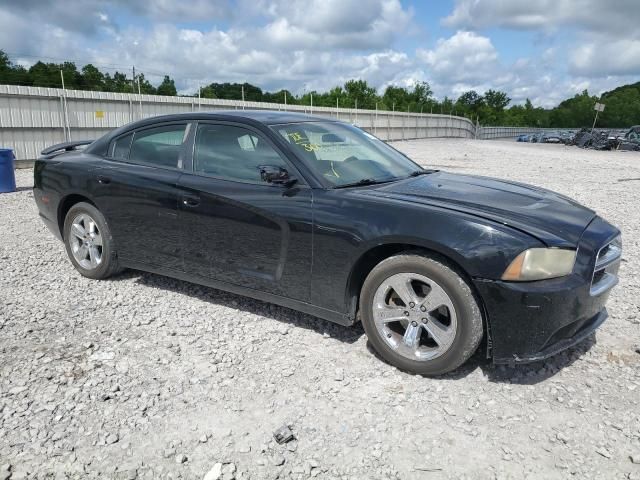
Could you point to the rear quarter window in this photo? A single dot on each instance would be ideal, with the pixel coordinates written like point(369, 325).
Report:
point(119, 148)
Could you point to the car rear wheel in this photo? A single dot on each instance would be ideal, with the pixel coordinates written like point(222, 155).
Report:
point(88, 242)
point(420, 315)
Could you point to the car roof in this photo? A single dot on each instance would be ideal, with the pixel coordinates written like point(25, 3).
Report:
point(255, 117)
point(267, 117)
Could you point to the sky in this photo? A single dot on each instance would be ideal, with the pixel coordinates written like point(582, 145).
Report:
point(544, 50)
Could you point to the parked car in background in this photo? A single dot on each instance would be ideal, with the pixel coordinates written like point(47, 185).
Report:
point(551, 137)
point(322, 217)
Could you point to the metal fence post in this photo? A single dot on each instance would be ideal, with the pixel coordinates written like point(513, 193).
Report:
point(63, 120)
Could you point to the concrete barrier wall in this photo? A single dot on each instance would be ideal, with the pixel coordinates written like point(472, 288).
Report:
point(32, 118)
point(491, 133)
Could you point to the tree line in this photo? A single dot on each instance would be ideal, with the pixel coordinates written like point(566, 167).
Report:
point(489, 108)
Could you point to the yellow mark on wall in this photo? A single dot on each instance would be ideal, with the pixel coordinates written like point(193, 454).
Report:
point(99, 114)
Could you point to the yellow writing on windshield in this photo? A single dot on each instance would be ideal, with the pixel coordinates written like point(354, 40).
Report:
point(298, 139)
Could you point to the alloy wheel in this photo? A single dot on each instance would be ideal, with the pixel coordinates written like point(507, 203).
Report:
point(85, 240)
point(415, 316)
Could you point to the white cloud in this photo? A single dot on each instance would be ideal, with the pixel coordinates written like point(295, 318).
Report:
point(606, 57)
point(593, 15)
point(604, 35)
point(318, 44)
point(334, 24)
point(463, 58)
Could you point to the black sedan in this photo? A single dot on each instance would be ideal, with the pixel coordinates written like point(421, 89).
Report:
point(322, 217)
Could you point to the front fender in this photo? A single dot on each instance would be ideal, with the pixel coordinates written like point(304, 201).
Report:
point(347, 227)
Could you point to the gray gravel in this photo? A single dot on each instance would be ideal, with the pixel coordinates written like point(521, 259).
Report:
point(147, 377)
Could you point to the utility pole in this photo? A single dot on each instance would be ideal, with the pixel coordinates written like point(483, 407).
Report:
point(199, 95)
point(337, 107)
point(242, 89)
point(133, 80)
point(285, 100)
point(311, 96)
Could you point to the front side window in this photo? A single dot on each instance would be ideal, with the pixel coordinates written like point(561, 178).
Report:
point(344, 154)
point(159, 146)
point(233, 153)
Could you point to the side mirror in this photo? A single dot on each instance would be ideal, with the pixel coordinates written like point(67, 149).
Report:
point(276, 175)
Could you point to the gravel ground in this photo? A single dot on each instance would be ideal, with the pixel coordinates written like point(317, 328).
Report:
point(147, 377)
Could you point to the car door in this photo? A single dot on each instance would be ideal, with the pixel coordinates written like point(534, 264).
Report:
point(138, 193)
point(237, 227)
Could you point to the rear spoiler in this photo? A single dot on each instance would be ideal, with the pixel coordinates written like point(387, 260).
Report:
point(65, 147)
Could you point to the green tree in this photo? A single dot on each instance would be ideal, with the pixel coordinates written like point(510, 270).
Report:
point(92, 78)
point(396, 98)
point(361, 91)
point(422, 92)
point(496, 99)
point(11, 74)
point(145, 85)
point(167, 87)
point(233, 91)
point(117, 83)
point(279, 97)
point(469, 103)
point(574, 112)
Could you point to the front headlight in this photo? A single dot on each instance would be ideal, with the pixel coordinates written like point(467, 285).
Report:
point(540, 264)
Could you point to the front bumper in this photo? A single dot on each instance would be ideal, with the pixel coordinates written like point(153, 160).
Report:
point(532, 321)
point(582, 329)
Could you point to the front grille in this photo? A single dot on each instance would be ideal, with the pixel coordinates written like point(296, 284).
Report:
point(606, 267)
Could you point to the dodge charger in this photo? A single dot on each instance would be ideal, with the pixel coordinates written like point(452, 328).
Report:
point(322, 217)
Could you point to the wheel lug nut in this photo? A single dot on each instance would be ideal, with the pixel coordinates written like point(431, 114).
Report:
point(411, 304)
point(423, 308)
point(406, 314)
point(424, 320)
point(415, 324)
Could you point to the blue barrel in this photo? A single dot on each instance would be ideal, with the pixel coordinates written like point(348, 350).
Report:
point(7, 172)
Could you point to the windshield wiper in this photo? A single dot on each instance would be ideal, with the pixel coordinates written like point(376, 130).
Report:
point(422, 172)
point(364, 181)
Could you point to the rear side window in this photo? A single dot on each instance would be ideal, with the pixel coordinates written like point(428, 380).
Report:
point(158, 146)
point(120, 147)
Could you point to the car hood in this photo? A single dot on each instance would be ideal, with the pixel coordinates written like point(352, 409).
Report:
point(552, 218)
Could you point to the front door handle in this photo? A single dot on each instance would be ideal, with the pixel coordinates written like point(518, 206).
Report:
point(190, 201)
point(103, 180)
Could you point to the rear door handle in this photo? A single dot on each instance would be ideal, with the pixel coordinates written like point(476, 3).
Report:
point(103, 180)
point(190, 201)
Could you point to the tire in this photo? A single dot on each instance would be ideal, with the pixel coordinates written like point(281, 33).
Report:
point(442, 307)
point(89, 243)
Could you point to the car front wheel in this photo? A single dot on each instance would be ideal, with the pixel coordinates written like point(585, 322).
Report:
point(420, 315)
